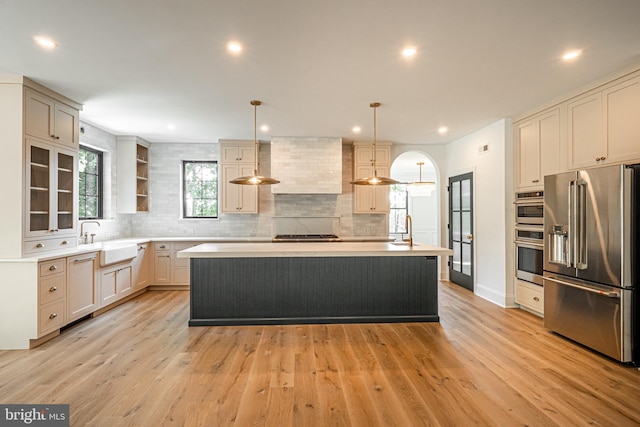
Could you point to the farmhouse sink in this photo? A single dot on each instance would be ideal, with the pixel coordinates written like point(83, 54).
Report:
point(112, 253)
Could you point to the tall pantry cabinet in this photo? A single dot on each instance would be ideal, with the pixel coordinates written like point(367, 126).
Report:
point(39, 129)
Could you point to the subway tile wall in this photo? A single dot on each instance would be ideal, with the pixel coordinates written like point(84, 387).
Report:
point(164, 216)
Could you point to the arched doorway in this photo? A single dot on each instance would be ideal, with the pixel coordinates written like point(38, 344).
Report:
point(424, 209)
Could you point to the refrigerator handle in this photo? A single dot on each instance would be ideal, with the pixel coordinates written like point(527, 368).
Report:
point(572, 240)
point(581, 225)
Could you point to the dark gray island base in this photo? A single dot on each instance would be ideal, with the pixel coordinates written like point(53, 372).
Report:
point(300, 290)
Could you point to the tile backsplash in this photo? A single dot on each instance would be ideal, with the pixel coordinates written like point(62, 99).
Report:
point(164, 216)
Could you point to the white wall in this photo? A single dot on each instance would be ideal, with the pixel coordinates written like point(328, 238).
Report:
point(493, 210)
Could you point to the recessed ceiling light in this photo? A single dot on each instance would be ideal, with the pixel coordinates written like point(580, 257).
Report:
point(171, 126)
point(571, 55)
point(45, 42)
point(234, 47)
point(408, 52)
point(264, 128)
point(442, 130)
point(356, 129)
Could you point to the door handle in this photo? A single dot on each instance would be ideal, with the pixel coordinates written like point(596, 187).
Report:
point(469, 236)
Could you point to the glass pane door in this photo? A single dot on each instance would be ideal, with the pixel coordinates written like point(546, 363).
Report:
point(461, 230)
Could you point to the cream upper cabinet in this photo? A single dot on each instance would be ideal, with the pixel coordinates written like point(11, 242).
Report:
point(604, 127)
point(371, 199)
point(237, 152)
point(586, 131)
point(622, 103)
point(133, 174)
point(237, 159)
point(538, 149)
point(51, 193)
point(82, 289)
point(50, 120)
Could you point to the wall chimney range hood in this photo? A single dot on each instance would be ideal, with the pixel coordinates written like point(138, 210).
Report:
point(307, 165)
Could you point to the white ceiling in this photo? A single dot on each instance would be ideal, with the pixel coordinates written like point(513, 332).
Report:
point(139, 65)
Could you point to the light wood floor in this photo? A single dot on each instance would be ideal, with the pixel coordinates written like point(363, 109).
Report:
point(140, 364)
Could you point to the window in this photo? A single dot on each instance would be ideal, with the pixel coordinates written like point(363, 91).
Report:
point(90, 183)
point(399, 208)
point(199, 189)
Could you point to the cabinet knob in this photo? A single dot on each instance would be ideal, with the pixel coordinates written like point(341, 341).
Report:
point(162, 246)
point(39, 246)
point(53, 267)
point(64, 242)
point(535, 180)
point(53, 315)
point(536, 299)
point(53, 289)
point(597, 159)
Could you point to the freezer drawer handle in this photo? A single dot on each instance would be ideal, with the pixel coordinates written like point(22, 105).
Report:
point(585, 288)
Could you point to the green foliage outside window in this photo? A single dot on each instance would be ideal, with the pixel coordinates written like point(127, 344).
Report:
point(200, 189)
point(90, 184)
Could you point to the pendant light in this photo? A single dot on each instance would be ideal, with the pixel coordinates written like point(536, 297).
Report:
point(375, 179)
point(255, 179)
point(421, 188)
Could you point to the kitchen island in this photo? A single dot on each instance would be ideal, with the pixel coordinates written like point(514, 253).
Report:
point(295, 283)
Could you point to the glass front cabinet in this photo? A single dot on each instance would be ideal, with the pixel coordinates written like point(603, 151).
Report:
point(51, 190)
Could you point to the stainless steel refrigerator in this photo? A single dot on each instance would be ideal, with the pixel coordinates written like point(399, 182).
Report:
point(591, 221)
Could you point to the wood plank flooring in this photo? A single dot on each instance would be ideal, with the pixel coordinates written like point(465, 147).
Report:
point(141, 365)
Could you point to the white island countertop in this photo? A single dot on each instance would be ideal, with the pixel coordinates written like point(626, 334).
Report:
point(309, 249)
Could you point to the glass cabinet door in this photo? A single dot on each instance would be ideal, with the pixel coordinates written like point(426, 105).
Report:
point(65, 169)
point(39, 189)
point(51, 191)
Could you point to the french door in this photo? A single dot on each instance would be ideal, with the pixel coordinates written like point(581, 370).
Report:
point(461, 268)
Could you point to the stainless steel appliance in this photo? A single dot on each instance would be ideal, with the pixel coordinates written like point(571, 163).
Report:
point(529, 253)
point(591, 230)
point(529, 236)
point(529, 208)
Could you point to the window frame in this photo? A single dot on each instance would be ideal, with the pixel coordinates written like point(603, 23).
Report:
point(402, 229)
point(100, 180)
point(183, 211)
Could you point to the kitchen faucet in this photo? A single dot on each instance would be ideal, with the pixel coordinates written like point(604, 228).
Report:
point(83, 236)
point(408, 225)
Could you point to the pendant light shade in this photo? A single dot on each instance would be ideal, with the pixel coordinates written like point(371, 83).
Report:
point(375, 179)
point(255, 179)
point(421, 188)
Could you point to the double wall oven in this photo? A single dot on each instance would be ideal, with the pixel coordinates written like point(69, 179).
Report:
point(530, 237)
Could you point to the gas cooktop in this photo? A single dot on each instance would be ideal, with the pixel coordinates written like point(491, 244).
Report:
point(306, 238)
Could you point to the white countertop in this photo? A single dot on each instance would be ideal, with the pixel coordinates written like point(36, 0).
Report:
point(309, 249)
point(96, 247)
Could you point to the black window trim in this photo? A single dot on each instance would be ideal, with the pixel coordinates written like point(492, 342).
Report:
point(184, 186)
point(100, 183)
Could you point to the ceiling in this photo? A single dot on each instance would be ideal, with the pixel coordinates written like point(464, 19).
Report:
point(140, 66)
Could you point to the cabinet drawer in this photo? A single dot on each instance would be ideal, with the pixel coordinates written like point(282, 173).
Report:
point(530, 296)
point(160, 246)
point(51, 289)
point(47, 245)
point(51, 317)
point(54, 266)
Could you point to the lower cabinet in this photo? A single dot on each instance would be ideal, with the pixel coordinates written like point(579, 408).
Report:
point(530, 296)
point(168, 269)
point(52, 289)
point(82, 289)
point(162, 263)
point(115, 283)
point(140, 267)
